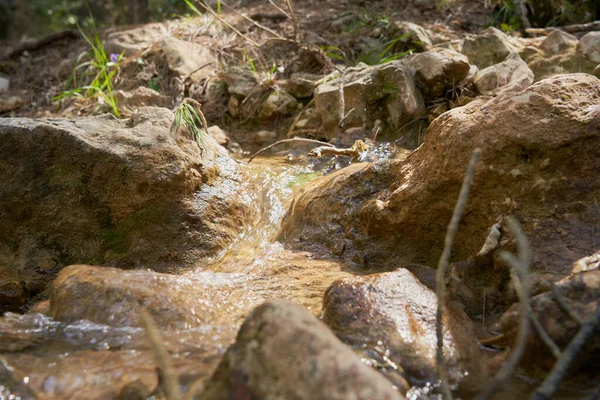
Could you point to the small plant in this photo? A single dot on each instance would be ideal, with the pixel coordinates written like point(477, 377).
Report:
point(189, 113)
point(98, 72)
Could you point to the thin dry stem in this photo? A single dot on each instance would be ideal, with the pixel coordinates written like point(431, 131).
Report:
point(288, 141)
point(440, 278)
point(294, 17)
point(563, 304)
point(544, 335)
point(281, 10)
point(272, 32)
point(342, 110)
point(519, 273)
point(325, 151)
point(167, 371)
point(227, 24)
point(555, 377)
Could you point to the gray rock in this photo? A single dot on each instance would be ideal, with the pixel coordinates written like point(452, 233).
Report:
point(589, 47)
point(188, 59)
point(4, 84)
point(386, 92)
point(416, 35)
point(219, 135)
point(282, 351)
point(438, 70)
point(513, 74)
point(132, 40)
point(301, 84)
point(264, 137)
point(490, 47)
point(558, 41)
point(140, 97)
point(278, 103)
point(240, 81)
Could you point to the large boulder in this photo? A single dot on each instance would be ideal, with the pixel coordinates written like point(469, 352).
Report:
point(385, 92)
point(489, 47)
point(282, 351)
point(396, 312)
point(118, 193)
point(539, 161)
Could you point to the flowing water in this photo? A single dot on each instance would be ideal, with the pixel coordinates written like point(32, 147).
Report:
point(46, 359)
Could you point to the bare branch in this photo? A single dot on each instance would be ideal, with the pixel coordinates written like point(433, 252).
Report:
point(440, 278)
point(563, 304)
point(544, 335)
point(162, 357)
point(555, 377)
point(294, 19)
point(342, 110)
point(281, 10)
point(227, 24)
point(288, 141)
point(272, 32)
point(520, 277)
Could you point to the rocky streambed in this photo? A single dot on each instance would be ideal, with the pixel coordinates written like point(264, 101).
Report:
point(296, 278)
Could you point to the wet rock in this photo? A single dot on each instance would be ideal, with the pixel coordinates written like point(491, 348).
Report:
point(385, 92)
point(132, 40)
point(581, 292)
point(513, 74)
point(589, 47)
point(415, 35)
point(141, 97)
point(188, 59)
point(114, 297)
point(240, 81)
point(394, 210)
point(278, 103)
point(301, 84)
point(490, 47)
point(395, 312)
point(124, 193)
point(219, 135)
point(437, 71)
point(283, 352)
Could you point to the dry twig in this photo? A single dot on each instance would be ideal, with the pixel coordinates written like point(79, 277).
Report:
point(288, 141)
point(272, 32)
point(563, 304)
point(520, 277)
point(227, 24)
point(440, 278)
point(165, 365)
point(294, 17)
point(555, 377)
point(342, 110)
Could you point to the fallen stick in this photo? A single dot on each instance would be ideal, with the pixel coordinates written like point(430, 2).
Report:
point(589, 27)
point(440, 276)
point(555, 377)
point(288, 141)
point(519, 273)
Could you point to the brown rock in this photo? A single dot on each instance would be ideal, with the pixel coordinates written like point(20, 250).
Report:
point(397, 210)
point(488, 48)
point(394, 311)
point(385, 92)
point(283, 352)
point(278, 103)
point(589, 47)
point(123, 193)
point(513, 74)
point(438, 70)
point(140, 97)
point(301, 84)
point(582, 294)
